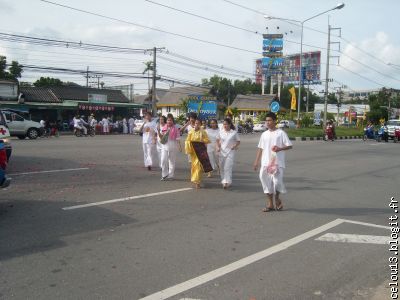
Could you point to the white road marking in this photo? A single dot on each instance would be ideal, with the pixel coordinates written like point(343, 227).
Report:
point(194, 282)
point(125, 199)
point(367, 224)
point(49, 171)
point(354, 238)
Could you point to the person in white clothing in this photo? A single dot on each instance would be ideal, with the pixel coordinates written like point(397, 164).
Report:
point(106, 125)
point(124, 126)
point(228, 143)
point(161, 123)
point(149, 141)
point(79, 124)
point(170, 139)
point(131, 123)
point(271, 153)
point(213, 136)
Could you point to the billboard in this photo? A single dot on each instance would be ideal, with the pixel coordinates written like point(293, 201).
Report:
point(311, 63)
point(97, 98)
point(204, 106)
point(272, 52)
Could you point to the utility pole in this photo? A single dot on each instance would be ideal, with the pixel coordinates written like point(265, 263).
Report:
point(153, 94)
point(87, 76)
point(328, 56)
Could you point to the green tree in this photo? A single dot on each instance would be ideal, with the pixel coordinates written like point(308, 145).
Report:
point(47, 81)
point(14, 71)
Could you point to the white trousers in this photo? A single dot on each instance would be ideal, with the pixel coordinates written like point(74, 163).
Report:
point(159, 153)
point(148, 152)
point(213, 156)
point(226, 167)
point(124, 128)
point(168, 161)
point(272, 183)
point(106, 129)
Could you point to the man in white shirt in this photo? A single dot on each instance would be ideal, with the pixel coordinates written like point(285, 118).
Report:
point(131, 123)
point(271, 153)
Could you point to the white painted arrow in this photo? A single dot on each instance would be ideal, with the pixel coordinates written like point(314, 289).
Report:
point(354, 238)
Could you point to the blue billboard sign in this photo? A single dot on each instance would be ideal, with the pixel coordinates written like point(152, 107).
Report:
point(205, 107)
point(272, 63)
point(272, 45)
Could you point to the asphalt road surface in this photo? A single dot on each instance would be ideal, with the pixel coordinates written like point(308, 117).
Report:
point(83, 219)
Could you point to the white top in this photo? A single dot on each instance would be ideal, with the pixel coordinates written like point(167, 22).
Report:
point(92, 122)
point(228, 140)
point(270, 139)
point(77, 122)
point(190, 127)
point(43, 123)
point(213, 136)
point(105, 122)
point(149, 129)
point(131, 121)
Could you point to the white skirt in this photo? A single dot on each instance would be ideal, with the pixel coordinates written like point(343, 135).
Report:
point(272, 183)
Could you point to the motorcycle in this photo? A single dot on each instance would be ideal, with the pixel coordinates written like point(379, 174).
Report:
point(383, 134)
point(79, 132)
point(396, 137)
point(329, 134)
point(369, 133)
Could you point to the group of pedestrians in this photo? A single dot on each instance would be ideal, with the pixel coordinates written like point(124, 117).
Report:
point(164, 138)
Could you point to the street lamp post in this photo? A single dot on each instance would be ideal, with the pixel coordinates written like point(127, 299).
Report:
point(339, 6)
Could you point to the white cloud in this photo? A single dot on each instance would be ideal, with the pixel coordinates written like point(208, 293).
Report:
point(6, 6)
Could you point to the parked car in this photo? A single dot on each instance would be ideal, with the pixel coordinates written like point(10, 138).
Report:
point(286, 124)
point(4, 135)
point(392, 125)
point(259, 127)
point(21, 127)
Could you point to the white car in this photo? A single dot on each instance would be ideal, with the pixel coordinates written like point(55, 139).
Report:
point(286, 124)
point(392, 125)
point(22, 127)
point(259, 127)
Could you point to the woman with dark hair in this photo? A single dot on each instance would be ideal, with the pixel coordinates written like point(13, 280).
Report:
point(196, 135)
point(228, 143)
point(149, 140)
point(170, 141)
point(213, 136)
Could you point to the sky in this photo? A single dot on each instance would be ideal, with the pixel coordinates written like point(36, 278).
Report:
point(368, 29)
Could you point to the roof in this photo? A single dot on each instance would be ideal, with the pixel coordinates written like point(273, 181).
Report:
point(252, 102)
point(81, 93)
point(146, 99)
point(38, 94)
point(175, 95)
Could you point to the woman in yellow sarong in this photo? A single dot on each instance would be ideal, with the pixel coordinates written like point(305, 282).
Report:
point(197, 134)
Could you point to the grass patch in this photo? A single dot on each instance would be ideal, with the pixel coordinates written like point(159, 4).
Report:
point(318, 132)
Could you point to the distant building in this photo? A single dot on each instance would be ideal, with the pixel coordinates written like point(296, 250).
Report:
point(348, 96)
point(249, 106)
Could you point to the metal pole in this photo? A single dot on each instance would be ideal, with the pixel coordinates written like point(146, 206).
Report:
point(308, 95)
point(262, 84)
point(300, 75)
point(87, 76)
point(153, 94)
point(327, 74)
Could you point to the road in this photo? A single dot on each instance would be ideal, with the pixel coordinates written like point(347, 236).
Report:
point(157, 240)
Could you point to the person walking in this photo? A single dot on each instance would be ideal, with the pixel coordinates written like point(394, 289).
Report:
point(106, 125)
point(228, 143)
point(149, 141)
point(170, 140)
point(271, 153)
point(131, 123)
point(124, 126)
point(161, 123)
point(189, 126)
point(195, 135)
point(213, 136)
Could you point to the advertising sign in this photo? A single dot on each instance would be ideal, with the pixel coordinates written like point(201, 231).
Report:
point(259, 71)
point(204, 106)
point(97, 98)
point(311, 63)
point(272, 52)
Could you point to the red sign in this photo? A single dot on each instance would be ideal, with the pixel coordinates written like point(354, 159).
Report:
point(92, 107)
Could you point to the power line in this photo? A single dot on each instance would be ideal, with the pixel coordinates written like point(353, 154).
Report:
point(148, 27)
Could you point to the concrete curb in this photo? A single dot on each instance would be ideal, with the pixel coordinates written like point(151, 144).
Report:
point(320, 138)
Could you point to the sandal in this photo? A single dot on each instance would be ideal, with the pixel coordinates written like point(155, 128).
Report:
point(279, 205)
point(267, 209)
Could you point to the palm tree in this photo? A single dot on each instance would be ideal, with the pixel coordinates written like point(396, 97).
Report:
point(148, 68)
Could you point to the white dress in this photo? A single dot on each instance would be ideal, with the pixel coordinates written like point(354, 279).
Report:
point(228, 140)
point(213, 136)
point(148, 144)
point(273, 183)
